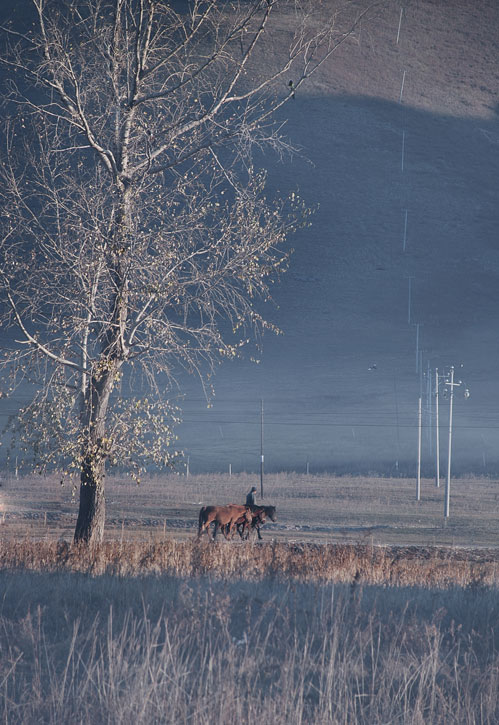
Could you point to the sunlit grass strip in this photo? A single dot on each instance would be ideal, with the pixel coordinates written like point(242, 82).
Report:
point(397, 566)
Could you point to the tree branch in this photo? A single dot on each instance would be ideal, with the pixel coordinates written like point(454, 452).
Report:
point(38, 345)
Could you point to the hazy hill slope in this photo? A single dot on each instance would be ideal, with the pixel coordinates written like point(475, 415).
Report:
point(344, 305)
point(429, 101)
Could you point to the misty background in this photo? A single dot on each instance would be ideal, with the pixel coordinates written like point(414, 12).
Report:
point(397, 142)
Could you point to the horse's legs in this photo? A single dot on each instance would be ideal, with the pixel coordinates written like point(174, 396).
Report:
point(240, 528)
point(206, 527)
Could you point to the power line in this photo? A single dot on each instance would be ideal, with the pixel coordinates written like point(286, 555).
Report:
point(326, 424)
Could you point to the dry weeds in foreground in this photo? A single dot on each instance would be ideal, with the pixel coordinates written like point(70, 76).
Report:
point(345, 563)
point(159, 649)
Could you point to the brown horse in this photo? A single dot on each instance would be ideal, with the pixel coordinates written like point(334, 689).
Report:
point(259, 515)
point(224, 517)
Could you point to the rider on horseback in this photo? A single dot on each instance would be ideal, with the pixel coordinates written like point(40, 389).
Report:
point(250, 497)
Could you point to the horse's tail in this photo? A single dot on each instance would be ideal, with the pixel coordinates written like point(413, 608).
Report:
point(202, 519)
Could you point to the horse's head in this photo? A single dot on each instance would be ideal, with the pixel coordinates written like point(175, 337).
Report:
point(271, 512)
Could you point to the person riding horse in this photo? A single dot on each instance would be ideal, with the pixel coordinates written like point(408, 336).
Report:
point(250, 497)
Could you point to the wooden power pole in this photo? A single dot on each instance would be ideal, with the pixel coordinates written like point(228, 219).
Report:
point(262, 457)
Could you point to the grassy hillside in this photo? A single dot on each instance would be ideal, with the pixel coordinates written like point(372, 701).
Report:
point(344, 305)
point(397, 140)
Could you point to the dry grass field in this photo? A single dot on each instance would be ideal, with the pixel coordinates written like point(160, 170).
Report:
point(315, 509)
point(159, 649)
point(335, 529)
point(359, 607)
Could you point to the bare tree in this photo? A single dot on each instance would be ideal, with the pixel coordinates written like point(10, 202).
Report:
point(136, 224)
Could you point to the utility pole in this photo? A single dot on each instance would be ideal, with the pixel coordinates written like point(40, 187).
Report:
point(417, 348)
point(409, 301)
point(437, 434)
point(429, 407)
point(402, 87)
point(262, 458)
point(397, 421)
point(418, 485)
point(400, 24)
point(451, 383)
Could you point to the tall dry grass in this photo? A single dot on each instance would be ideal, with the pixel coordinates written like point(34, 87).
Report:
point(346, 563)
point(161, 649)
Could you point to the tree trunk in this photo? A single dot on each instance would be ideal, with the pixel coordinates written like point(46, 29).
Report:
point(95, 398)
point(92, 511)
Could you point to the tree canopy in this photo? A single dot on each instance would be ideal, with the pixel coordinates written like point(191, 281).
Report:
point(137, 235)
